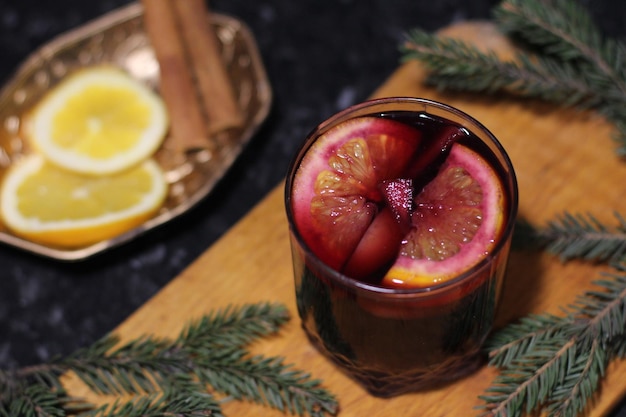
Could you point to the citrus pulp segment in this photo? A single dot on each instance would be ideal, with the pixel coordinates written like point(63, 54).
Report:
point(50, 205)
point(97, 121)
point(336, 190)
point(456, 220)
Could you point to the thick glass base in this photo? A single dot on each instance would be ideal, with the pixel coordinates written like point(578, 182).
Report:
point(387, 384)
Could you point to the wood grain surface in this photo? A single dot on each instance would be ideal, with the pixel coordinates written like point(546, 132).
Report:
point(564, 161)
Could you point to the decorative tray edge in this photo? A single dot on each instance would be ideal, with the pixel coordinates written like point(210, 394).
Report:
point(192, 176)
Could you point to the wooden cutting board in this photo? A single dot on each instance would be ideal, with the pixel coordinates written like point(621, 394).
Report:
point(564, 161)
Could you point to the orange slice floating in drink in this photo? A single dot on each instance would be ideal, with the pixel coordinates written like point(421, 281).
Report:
point(336, 191)
point(456, 220)
point(356, 206)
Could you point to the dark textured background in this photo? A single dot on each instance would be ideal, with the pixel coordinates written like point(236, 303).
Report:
point(320, 56)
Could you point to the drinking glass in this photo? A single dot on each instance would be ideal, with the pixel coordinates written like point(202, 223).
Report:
point(394, 340)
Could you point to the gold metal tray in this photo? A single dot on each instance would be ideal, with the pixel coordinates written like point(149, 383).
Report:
point(118, 38)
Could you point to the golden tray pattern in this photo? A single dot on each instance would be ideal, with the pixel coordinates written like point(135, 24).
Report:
point(118, 38)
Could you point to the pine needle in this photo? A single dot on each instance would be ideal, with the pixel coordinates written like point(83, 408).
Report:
point(564, 29)
point(456, 65)
point(555, 363)
point(191, 404)
point(581, 236)
point(564, 60)
point(550, 364)
point(173, 376)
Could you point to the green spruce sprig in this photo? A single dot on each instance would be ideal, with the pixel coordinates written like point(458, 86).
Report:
point(571, 236)
point(550, 363)
point(456, 65)
point(180, 376)
point(563, 59)
point(192, 404)
point(555, 363)
point(564, 30)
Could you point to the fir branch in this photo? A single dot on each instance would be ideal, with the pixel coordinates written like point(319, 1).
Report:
point(191, 404)
point(456, 65)
point(550, 363)
point(564, 29)
point(234, 326)
point(618, 116)
point(568, 62)
point(145, 364)
point(35, 400)
point(603, 310)
point(142, 365)
point(265, 380)
point(518, 339)
point(585, 373)
point(582, 236)
point(155, 371)
point(555, 363)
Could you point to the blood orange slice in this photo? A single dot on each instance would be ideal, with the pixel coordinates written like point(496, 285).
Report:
point(456, 219)
point(337, 192)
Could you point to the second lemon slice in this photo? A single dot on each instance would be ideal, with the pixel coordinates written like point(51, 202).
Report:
point(50, 205)
point(98, 121)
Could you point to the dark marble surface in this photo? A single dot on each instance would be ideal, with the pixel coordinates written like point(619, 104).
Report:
point(320, 56)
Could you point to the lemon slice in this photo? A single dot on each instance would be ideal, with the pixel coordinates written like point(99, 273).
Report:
point(50, 205)
point(97, 121)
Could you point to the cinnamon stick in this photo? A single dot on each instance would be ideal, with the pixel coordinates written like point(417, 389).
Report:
point(187, 125)
point(216, 91)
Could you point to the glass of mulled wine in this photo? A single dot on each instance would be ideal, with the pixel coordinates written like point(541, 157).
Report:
point(401, 212)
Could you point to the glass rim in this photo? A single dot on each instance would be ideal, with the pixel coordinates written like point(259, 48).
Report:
point(367, 288)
